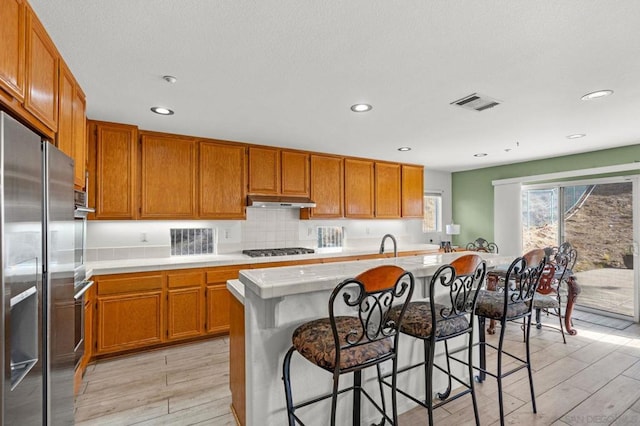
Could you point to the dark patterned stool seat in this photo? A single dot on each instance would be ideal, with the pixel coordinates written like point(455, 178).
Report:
point(545, 301)
point(417, 321)
point(314, 341)
point(490, 305)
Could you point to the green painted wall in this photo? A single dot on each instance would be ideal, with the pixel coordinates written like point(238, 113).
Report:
point(472, 191)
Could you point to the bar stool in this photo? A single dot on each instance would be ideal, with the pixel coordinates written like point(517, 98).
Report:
point(343, 344)
point(447, 314)
point(513, 303)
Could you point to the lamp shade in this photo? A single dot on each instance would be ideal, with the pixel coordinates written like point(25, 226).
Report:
point(453, 229)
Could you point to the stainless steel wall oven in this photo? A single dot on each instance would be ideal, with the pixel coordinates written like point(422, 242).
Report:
point(80, 282)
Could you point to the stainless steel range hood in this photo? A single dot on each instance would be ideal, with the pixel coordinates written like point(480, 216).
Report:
point(279, 202)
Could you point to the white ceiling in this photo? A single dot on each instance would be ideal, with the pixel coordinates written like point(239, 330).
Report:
point(285, 72)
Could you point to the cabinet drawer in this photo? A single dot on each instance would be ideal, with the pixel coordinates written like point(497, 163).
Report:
point(189, 279)
point(219, 275)
point(129, 284)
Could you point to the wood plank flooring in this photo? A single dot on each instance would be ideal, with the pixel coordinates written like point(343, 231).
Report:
point(593, 379)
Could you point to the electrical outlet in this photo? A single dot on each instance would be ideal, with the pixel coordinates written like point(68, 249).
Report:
point(143, 237)
point(309, 231)
point(226, 234)
point(367, 231)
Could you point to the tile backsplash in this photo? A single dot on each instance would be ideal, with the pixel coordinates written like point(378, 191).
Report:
point(263, 228)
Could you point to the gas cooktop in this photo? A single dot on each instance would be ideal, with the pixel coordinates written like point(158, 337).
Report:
point(287, 251)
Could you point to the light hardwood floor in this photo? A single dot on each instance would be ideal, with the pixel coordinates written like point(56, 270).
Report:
point(593, 379)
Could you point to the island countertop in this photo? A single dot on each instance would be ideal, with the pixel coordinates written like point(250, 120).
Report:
point(270, 283)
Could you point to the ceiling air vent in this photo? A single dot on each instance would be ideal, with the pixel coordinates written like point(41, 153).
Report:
point(476, 102)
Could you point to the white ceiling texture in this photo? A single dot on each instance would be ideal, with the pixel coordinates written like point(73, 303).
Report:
point(285, 73)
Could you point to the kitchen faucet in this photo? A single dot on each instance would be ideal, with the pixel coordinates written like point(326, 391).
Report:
point(395, 244)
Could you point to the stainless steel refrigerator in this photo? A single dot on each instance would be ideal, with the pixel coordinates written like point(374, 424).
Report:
point(36, 255)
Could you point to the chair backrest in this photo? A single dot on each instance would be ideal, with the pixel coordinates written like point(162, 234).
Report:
point(461, 280)
point(547, 279)
point(371, 295)
point(523, 277)
point(480, 244)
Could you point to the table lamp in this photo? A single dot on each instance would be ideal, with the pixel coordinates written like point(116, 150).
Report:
point(451, 229)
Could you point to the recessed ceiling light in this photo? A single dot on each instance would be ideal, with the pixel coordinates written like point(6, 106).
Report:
point(480, 154)
point(169, 79)
point(576, 136)
point(361, 107)
point(162, 110)
point(404, 148)
point(597, 94)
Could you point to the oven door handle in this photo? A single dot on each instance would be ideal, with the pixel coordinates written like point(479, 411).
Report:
point(84, 288)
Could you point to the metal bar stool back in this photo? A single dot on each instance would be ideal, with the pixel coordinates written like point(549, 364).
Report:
point(358, 333)
point(447, 314)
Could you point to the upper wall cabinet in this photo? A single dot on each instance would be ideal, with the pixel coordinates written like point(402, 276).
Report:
point(264, 171)
point(412, 190)
point(278, 172)
point(295, 173)
point(71, 137)
point(223, 178)
point(169, 166)
point(41, 97)
point(359, 188)
point(112, 170)
point(327, 187)
point(12, 47)
point(388, 190)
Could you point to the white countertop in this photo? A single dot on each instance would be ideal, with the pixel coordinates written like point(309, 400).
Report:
point(270, 283)
point(120, 266)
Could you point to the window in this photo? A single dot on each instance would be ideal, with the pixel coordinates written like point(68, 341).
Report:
point(432, 218)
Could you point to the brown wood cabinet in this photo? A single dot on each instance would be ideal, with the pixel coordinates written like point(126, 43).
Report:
point(112, 170)
point(71, 137)
point(359, 188)
point(218, 297)
point(41, 96)
point(274, 171)
point(169, 167)
point(388, 190)
point(264, 171)
point(327, 187)
point(222, 183)
point(412, 191)
point(185, 305)
point(295, 173)
point(130, 312)
point(13, 47)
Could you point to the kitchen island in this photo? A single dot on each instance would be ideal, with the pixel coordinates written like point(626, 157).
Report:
point(274, 302)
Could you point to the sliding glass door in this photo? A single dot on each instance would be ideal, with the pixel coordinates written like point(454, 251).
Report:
point(596, 217)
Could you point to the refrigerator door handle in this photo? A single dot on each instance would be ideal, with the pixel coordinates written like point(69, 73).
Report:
point(87, 285)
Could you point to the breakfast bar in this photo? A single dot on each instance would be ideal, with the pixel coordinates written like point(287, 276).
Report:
point(274, 301)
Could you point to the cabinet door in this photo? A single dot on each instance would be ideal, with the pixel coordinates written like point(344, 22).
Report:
point(359, 185)
point(222, 180)
point(218, 317)
point(184, 313)
point(185, 307)
point(64, 137)
point(79, 137)
point(412, 191)
point(115, 164)
point(41, 97)
point(129, 321)
point(12, 46)
point(88, 330)
point(264, 171)
point(327, 187)
point(295, 173)
point(168, 183)
point(387, 190)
